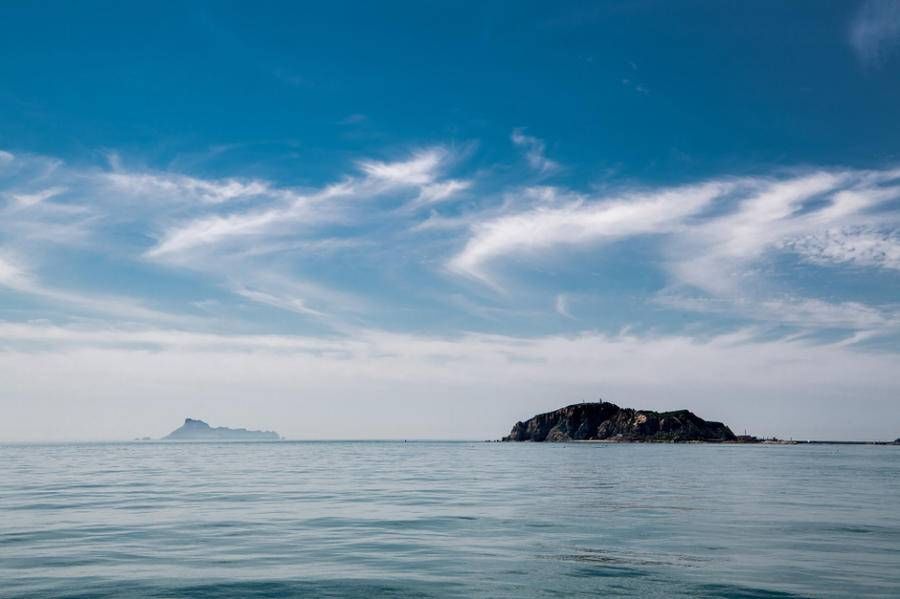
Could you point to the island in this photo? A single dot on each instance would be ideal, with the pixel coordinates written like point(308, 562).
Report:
point(604, 421)
point(197, 430)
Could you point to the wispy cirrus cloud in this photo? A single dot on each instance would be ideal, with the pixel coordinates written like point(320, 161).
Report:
point(231, 243)
point(865, 247)
point(12, 274)
point(535, 151)
point(282, 210)
point(717, 242)
point(716, 239)
point(291, 304)
point(580, 222)
point(17, 278)
point(176, 187)
point(220, 228)
point(790, 310)
point(875, 31)
point(561, 305)
point(36, 197)
point(338, 270)
point(420, 169)
point(287, 210)
point(434, 193)
point(719, 255)
point(713, 254)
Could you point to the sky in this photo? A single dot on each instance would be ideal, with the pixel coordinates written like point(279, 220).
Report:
point(433, 219)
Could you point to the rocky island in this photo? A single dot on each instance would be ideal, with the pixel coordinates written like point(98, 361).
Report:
point(197, 430)
point(604, 421)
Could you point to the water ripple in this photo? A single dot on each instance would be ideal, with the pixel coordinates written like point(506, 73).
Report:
point(447, 520)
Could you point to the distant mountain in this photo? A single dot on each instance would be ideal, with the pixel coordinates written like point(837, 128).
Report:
point(603, 421)
point(197, 430)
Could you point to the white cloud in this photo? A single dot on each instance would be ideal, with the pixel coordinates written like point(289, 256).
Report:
point(421, 169)
point(719, 255)
point(15, 277)
point(717, 240)
point(286, 209)
point(298, 381)
point(875, 31)
point(728, 257)
point(810, 312)
point(579, 223)
point(720, 237)
point(291, 304)
point(31, 199)
point(434, 193)
point(535, 151)
point(221, 228)
point(212, 229)
point(863, 247)
point(6, 157)
point(712, 255)
point(289, 210)
point(437, 222)
point(295, 295)
point(561, 305)
point(807, 313)
point(174, 187)
point(12, 275)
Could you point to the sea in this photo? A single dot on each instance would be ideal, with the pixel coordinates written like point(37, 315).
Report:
point(448, 519)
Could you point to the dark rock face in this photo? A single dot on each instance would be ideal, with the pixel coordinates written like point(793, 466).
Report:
point(197, 430)
point(604, 421)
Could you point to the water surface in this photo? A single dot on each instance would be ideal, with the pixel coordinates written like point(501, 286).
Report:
point(448, 520)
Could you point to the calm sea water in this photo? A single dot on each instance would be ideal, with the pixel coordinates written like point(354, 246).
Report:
point(448, 520)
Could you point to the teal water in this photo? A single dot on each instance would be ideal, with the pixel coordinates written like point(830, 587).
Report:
point(448, 520)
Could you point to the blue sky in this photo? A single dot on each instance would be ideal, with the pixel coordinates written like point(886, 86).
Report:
point(434, 219)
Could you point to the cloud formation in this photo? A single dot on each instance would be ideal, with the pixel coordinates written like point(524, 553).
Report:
point(284, 211)
point(16, 277)
point(420, 169)
point(719, 244)
point(534, 150)
point(875, 31)
point(856, 246)
point(406, 275)
point(579, 222)
point(298, 381)
point(717, 237)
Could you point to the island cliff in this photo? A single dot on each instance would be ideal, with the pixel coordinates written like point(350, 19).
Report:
point(603, 421)
point(197, 430)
